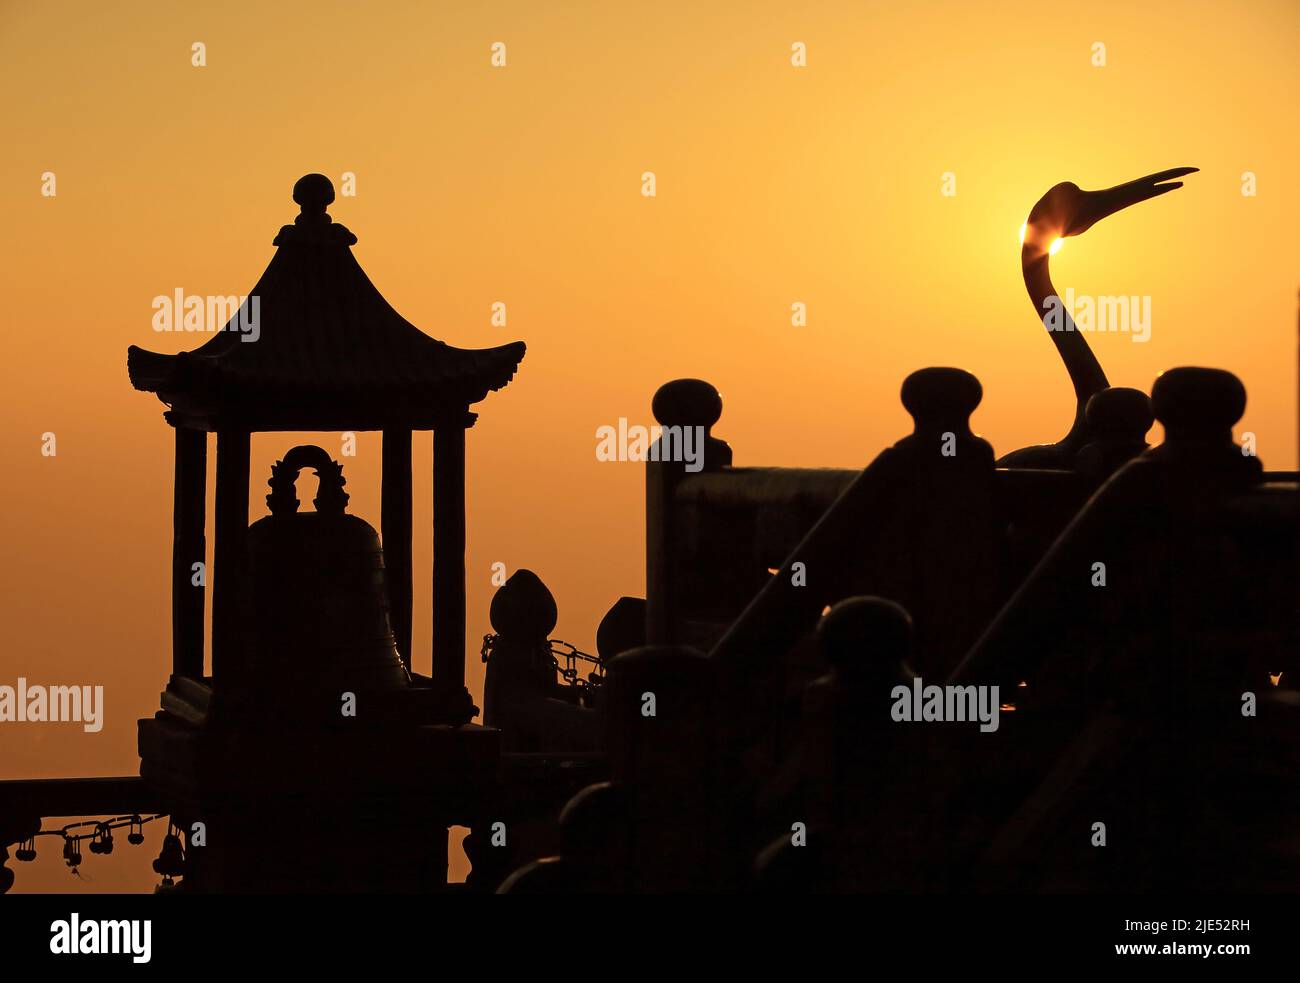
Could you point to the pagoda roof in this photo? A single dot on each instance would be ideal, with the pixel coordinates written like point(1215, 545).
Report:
point(320, 349)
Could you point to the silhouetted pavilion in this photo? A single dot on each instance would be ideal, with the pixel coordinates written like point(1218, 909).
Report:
point(329, 354)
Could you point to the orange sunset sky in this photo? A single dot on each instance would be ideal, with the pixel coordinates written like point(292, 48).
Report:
point(776, 184)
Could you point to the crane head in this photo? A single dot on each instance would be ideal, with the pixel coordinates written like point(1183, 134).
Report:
point(1068, 210)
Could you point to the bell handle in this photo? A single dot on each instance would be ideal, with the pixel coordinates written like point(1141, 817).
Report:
point(330, 499)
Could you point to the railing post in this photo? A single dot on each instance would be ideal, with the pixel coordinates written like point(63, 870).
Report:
point(395, 522)
point(189, 546)
point(228, 559)
point(680, 406)
point(659, 706)
point(448, 669)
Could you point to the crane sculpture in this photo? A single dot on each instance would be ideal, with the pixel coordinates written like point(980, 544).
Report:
point(1066, 210)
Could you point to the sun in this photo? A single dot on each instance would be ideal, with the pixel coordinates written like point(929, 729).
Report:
point(1052, 250)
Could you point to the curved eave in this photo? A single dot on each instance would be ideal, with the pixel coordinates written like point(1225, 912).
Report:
point(465, 377)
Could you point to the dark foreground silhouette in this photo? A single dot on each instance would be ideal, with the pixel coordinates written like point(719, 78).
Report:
point(1070, 668)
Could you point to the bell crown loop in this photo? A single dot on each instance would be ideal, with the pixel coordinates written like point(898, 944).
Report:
point(330, 498)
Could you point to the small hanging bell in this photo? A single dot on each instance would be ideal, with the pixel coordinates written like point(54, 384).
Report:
point(102, 841)
point(171, 861)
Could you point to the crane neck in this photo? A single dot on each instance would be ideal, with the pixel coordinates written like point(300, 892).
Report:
point(1081, 364)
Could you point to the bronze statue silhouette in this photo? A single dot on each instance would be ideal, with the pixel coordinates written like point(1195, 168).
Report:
point(522, 696)
point(1067, 210)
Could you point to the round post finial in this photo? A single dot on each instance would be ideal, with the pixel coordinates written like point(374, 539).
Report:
point(1198, 403)
point(1118, 419)
point(866, 638)
point(1198, 407)
point(687, 403)
point(693, 403)
point(1119, 413)
point(941, 398)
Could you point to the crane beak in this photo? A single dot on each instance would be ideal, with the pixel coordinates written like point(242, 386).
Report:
point(1098, 204)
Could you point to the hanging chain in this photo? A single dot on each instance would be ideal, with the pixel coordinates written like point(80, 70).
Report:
point(98, 831)
point(560, 649)
point(572, 655)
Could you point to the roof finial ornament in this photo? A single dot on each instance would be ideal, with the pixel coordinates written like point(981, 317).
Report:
point(313, 192)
